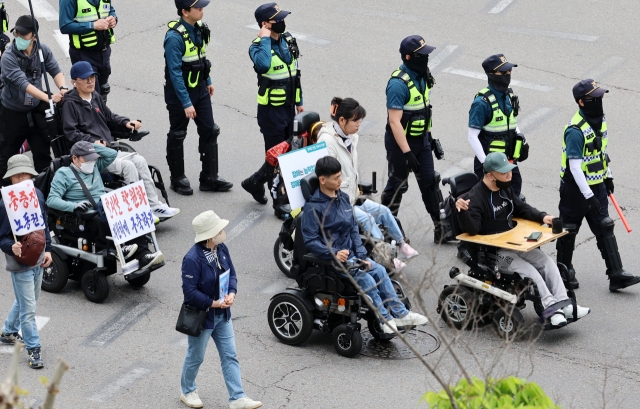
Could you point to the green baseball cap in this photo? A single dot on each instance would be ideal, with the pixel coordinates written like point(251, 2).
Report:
point(497, 162)
point(19, 164)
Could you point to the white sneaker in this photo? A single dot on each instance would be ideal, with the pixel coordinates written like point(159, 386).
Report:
point(389, 327)
point(163, 211)
point(156, 219)
point(398, 265)
point(407, 251)
point(128, 250)
point(245, 403)
point(568, 311)
point(191, 399)
point(558, 319)
point(411, 319)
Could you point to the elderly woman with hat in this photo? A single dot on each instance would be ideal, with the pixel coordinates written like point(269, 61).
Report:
point(202, 268)
point(26, 278)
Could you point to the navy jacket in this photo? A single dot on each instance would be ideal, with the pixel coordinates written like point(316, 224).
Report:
point(200, 280)
point(331, 218)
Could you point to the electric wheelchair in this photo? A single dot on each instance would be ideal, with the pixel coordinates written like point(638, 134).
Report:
point(325, 298)
point(491, 290)
point(77, 258)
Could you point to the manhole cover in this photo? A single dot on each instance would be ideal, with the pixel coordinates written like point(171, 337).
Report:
point(424, 342)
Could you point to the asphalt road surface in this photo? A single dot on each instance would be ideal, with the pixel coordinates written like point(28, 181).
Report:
point(125, 352)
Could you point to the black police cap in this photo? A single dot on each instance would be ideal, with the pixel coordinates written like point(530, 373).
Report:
point(415, 45)
point(497, 62)
point(270, 11)
point(588, 88)
point(24, 25)
point(186, 4)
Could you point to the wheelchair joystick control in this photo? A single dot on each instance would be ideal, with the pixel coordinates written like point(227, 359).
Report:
point(454, 272)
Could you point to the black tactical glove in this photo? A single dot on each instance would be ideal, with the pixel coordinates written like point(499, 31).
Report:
point(594, 206)
point(608, 182)
point(412, 161)
point(83, 206)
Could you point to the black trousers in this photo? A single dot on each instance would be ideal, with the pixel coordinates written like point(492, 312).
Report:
point(97, 231)
point(574, 208)
point(201, 103)
point(100, 60)
point(516, 177)
point(274, 123)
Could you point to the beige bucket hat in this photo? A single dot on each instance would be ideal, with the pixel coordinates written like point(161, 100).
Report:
point(207, 225)
point(19, 164)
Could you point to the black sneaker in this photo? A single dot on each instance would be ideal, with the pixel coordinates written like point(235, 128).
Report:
point(151, 259)
point(35, 361)
point(10, 339)
point(128, 250)
point(622, 280)
point(255, 189)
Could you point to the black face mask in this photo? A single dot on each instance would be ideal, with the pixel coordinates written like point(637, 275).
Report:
point(593, 112)
point(418, 64)
point(499, 82)
point(278, 27)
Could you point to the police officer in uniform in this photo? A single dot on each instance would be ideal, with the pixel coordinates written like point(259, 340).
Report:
point(275, 59)
point(408, 139)
point(586, 180)
point(187, 93)
point(493, 120)
point(90, 24)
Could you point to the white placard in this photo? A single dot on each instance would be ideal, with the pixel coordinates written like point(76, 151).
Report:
point(297, 164)
point(23, 208)
point(128, 212)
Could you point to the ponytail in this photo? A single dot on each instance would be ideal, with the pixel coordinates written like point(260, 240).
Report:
point(347, 108)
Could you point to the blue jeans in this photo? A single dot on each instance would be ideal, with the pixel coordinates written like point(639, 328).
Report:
point(225, 343)
point(377, 285)
point(26, 287)
point(370, 214)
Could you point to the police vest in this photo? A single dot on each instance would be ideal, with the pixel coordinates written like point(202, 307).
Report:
point(88, 13)
point(274, 86)
point(500, 134)
point(594, 150)
point(4, 19)
point(195, 66)
point(416, 112)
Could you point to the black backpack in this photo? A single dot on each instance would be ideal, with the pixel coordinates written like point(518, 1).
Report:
point(459, 185)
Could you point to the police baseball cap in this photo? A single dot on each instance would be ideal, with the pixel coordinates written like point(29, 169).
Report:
point(497, 62)
point(84, 149)
point(185, 4)
point(497, 162)
point(415, 45)
point(270, 11)
point(82, 69)
point(588, 88)
point(24, 25)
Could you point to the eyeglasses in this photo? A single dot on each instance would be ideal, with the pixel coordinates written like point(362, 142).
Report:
point(16, 34)
point(90, 78)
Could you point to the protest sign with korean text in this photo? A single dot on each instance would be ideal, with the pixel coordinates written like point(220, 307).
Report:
point(128, 212)
point(23, 208)
point(297, 164)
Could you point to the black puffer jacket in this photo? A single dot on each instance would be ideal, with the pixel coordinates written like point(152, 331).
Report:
point(479, 219)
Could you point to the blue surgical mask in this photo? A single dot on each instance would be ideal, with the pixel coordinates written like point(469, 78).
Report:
point(21, 43)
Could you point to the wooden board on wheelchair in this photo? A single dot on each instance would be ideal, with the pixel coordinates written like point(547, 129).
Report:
point(516, 238)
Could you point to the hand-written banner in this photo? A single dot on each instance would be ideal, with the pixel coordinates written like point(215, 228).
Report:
point(128, 212)
point(297, 164)
point(23, 208)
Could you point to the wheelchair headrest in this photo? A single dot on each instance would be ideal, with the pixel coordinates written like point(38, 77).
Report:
point(309, 184)
point(305, 120)
point(461, 183)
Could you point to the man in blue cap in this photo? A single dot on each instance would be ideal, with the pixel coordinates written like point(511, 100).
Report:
point(586, 182)
point(187, 93)
point(274, 54)
point(493, 120)
point(408, 139)
point(489, 207)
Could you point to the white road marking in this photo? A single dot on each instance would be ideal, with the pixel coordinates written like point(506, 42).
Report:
point(123, 383)
point(498, 8)
point(242, 226)
point(530, 120)
point(40, 323)
point(273, 288)
point(483, 76)
point(114, 330)
point(299, 36)
point(184, 342)
point(63, 41)
point(441, 56)
point(42, 9)
point(605, 67)
point(553, 34)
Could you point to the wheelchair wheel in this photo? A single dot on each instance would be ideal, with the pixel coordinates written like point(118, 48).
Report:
point(95, 286)
point(289, 319)
point(508, 322)
point(375, 329)
point(401, 294)
point(140, 281)
point(56, 276)
point(284, 258)
point(345, 346)
point(457, 306)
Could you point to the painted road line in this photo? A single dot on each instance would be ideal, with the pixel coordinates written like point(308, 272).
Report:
point(299, 36)
point(40, 323)
point(552, 34)
point(441, 56)
point(274, 288)
point(122, 320)
point(42, 9)
point(498, 8)
point(123, 382)
point(483, 76)
point(244, 224)
point(532, 120)
point(604, 68)
point(63, 41)
point(377, 13)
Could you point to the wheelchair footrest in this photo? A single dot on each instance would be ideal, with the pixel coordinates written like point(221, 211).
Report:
point(142, 271)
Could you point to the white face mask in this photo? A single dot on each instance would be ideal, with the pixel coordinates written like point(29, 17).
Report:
point(221, 237)
point(87, 167)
